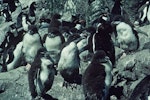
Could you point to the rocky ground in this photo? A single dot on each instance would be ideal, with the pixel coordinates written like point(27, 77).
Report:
point(129, 70)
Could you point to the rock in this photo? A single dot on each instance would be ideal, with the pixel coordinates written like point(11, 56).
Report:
point(14, 85)
point(130, 69)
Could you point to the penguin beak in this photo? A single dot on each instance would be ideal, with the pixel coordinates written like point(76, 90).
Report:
point(104, 60)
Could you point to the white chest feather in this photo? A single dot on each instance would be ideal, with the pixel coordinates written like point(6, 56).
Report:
point(53, 43)
point(108, 78)
point(144, 14)
point(148, 13)
point(44, 74)
point(24, 24)
point(125, 33)
point(17, 55)
point(31, 44)
point(81, 44)
point(108, 69)
point(69, 57)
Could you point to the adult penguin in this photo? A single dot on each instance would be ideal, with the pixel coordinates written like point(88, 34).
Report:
point(102, 40)
point(117, 9)
point(55, 23)
point(14, 57)
point(31, 44)
point(69, 62)
point(32, 16)
point(97, 78)
point(144, 14)
point(41, 75)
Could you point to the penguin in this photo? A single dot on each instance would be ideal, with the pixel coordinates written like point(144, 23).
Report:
point(91, 31)
point(25, 22)
point(124, 27)
point(11, 5)
point(117, 9)
point(53, 42)
point(7, 15)
point(142, 90)
point(97, 78)
point(69, 64)
point(19, 20)
point(127, 38)
point(32, 16)
point(101, 40)
point(102, 17)
point(143, 13)
point(73, 23)
point(41, 74)
point(55, 23)
point(31, 44)
point(14, 57)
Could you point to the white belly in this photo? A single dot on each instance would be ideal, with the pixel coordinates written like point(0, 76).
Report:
point(53, 43)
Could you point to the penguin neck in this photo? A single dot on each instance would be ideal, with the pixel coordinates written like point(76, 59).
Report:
point(108, 78)
point(45, 63)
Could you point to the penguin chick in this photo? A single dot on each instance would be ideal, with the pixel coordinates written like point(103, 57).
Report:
point(31, 44)
point(53, 40)
point(97, 78)
point(69, 64)
point(127, 38)
point(53, 43)
point(41, 74)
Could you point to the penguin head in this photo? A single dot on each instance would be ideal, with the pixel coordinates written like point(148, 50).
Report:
point(43, 53)
point(32, 29)
point(100, 56)
point(104, 28)
point(53, 32)
point(17, 3)
point(104, 16)
point(32, 9)
point(91, 30)
point(33, 5)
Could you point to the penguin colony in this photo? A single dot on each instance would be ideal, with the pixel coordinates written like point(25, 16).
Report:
point(59, 50)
